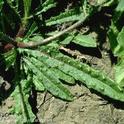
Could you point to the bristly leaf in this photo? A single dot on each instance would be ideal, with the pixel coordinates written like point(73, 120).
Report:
point(82, 72)
point(33, 28)
point(85, 40)
point(67, 16)
point(119, 73)
point(48, 4)
point(119, 52)
point(67, 39)
point(45, 67)
point(81, 39)
point(119, 46)
point(61, 75)
point(112, 35)
point(120, 38)
point(44, 7)
point(22, 108)
point(8, 59)
point(38, 83)
point(48, 79)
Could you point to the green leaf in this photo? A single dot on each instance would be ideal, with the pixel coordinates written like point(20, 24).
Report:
point(107, 2)
point(67, 40)
point(74, 69)
point(38, 83)
point(8, 59)
point(67, 16)
point(31, 30)
point(112, 35)
point(50, 82)
point(43, 7)
point(85, 40)
point(61, 75)
point(22, 109)
point(119, 10)
point(119, 73)
point(120, 7)
point(1, 4)
point(119, 67)
point(119, 50)
point(48, 4)
point(36, 38)
point(92, 78)
point(120, 38)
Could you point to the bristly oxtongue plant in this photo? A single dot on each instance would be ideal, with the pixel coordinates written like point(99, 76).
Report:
point(37, 60)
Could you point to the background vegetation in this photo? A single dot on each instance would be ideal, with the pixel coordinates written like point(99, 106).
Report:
point(36, 39)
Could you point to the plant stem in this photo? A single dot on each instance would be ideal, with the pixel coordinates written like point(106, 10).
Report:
point(49, 39)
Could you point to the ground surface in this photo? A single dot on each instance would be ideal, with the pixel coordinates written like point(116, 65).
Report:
point(88, 107)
